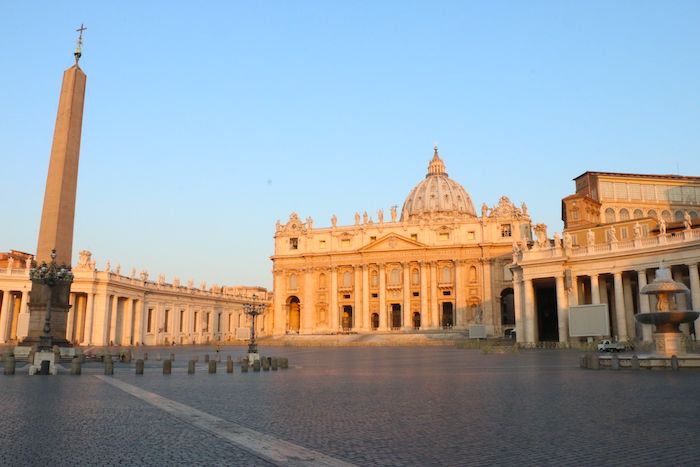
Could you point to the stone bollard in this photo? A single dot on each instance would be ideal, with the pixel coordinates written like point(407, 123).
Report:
point(9, 368)
point(158, 356)
point(285, 363)
point(212, 367)
point(256, 365)
point(229, 366)
point(139, 366)
point(190, 367)
point(125, 357)
point(145, 356)
point(244, 365)
point(75, 366)
point(172, 357)
point(206, 358)
point(582, 361)
point(265, 363)
point(167, 367)
point(615, 362)
point(634, 363)
point(674, 363)
point(273, 363)
point(109, 365)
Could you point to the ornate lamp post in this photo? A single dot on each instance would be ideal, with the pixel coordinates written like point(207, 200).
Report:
point(253, 309)
point(50, 275)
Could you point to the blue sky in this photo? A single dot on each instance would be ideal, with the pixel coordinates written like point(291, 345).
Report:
point(206, 122)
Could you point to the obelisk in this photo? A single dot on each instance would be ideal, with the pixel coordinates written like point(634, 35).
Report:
point(48, 304)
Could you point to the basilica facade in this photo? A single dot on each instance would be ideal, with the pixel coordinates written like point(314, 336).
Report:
point(437, 264)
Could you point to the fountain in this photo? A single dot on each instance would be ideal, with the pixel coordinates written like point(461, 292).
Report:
point(668, 338)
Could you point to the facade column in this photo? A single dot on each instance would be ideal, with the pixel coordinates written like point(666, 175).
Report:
point(333, 311)
point(620, 317)
point(644, 304)
point(358, 314)
point(425, 321)
point(595, 290)
point(695, 293)
point(23, 318)
point(629, 310)
point(128, 323)
point(573, 292)
point(70, 317)
point(382, 298)
point(79, 319)
point(406, 288)
point(530, 318)
point(280, 318)
point(460, 298)
point(518, 307)
point(365, 298)
point(309, 309)
point(138, 321)
point(562, 309)
point(487, 299)
point(105, 313)
point(89, 314)
point(5, 318)
point(112, 303)
point(434, 314)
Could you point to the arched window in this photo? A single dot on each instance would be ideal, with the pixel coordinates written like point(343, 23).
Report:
point(446, 274)
point(678, 215)
point(693, 215)
point(638, 213)
point(415, 277)
point(347, 279)
point(624, 214)
point(652, 213)
point(322, 281)
point(395, 276)
point(373, 279)
point(666, 215)
point(472, 274)
point(293, 281)
point(609, 215)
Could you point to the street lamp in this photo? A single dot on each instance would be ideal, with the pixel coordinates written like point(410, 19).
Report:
point(253, 309)
point(50, 275)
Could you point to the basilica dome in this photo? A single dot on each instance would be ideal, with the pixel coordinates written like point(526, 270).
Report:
point(437, 196)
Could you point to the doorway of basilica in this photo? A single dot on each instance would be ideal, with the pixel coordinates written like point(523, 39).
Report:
point(375, 321)
point(416, 320)
point(395, 316)
point(447, 318)
point(347, 317)
point(294, 318)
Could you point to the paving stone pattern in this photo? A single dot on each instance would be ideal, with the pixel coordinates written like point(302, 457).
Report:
point(368, 406)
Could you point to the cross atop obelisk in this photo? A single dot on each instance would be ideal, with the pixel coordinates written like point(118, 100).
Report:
point(79, 45)
point(56, 230)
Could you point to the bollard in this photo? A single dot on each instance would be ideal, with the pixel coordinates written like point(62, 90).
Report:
point(206, 358)
point(167, 367)
point(139, 366)
point(595, 362)
point(273, 363)
point(285, 363)
point(212, 367)
point(265, 363)
point(244, 365)
point(229, 366)
point(256, 365)
point(674, 363)
point(125, 357)
point(109, 366)
point(172, 357)
point(145, 356)
point(9, 364)
point(615, 362)
point(75, 367)
point(582, 361)
point(190, 367)
point(635, 362)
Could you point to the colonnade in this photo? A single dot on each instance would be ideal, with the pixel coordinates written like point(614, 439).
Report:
point(12, 305)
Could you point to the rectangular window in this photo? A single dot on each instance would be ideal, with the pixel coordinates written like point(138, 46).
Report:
point(623, 233)
point(372, 238)
point(471, 235)
point(196, 320)
point(149, 321)
point(414, 237)
point(607, 190)
point(620, 191)
point(322, 244)
point(446, 292)
point(346, 295)
point(416, 294)
point(661, 193)
point(375, 295)
point(675, 193)
point(182, 320)
point(345, 242)
point(444, 236)
point(167, 318)
point(506, 231)
point(688, 194)
point(648, 193)
point(635, 191)
point(218, 322)
point(294, 243)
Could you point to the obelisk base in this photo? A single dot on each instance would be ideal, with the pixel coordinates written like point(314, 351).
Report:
point(41, 294)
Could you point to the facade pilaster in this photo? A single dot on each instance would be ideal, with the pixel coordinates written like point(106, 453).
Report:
point(382, 298)
point(358, 313)
point(434, 315)
point(365, 297)
point(629, 308)
point(487, 300)
point(333, 311)
point(530, 317)
point(595, 289)
point(89, 319)
point(112, 328)
point(562, 309)
point(425, 321)
point(406, 288)
point(460, 297)
point(280, 318)
point(620, 317)
point(128, 322)
point(139, 305)
point(308, 315)
point(518, 307)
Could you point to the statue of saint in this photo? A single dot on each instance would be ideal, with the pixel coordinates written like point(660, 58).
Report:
point(380, 216)
point(334, 220)
point(524, 208)
point(557, 240)
point(357, 218)
point(365, 218)
point(687, 221)
point(309, 223)
point(637, 231)
point(568, 241)
point(590, 237)
point(393, 214)
point(484, 210)
point(108, 266)
point(612, 236)
point(662, 226)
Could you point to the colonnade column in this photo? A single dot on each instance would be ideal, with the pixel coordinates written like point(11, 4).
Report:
point(695, 293)
point(309, 308)
point(5, 319)
point(70, 317)
point(128, 322)
point(365, 297)
point(89, 313)
point(562, 309)
point(644, 304)
point(138, 320)
point(382, 299)
point(629, 310)
point(434, 316)
point(406, 287)
point(333, 311)
point(425, 321)
point(358, 313)
point(530, 318)
point(573, 291)
point(595, 289)
point(518, 307)
point(620, 317)
point(23, 317)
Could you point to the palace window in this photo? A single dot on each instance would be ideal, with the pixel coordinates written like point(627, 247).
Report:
point(471, 235)
point(609, 215)
point(414, 237)
point(322, 244)
point(506, 231)
point(679, 215)
point(196, 320)
point(638, 214)
point(623, 233)
point(446, 293)
point(624, 214)
point(666, 215)
point(167, 318)
point(182, 320)
point(375, 295)
point(416, 294)
point(294, 243)
point(444, 236)
point(345, 242)
point(321, 281)
point(574, 214)
point(372, 238)
point(446, 274)
point(652, 214)
point(374, 279)
point(149, 322)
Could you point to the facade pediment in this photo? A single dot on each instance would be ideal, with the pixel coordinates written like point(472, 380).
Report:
point(392, 242)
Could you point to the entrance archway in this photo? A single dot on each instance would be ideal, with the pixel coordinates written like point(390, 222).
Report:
point(294, 318)
point(546, 310)
point(347, 317)
point(416, 320)
point(375, 320)
point(395, 316)
point(507, 307)
point(447, 319)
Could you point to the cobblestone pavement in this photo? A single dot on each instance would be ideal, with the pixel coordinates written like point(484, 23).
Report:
point(368, 406)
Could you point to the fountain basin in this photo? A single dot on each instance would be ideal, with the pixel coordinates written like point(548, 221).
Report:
point(667, 321)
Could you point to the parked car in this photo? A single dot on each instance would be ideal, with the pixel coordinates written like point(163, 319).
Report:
point(610, 346)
